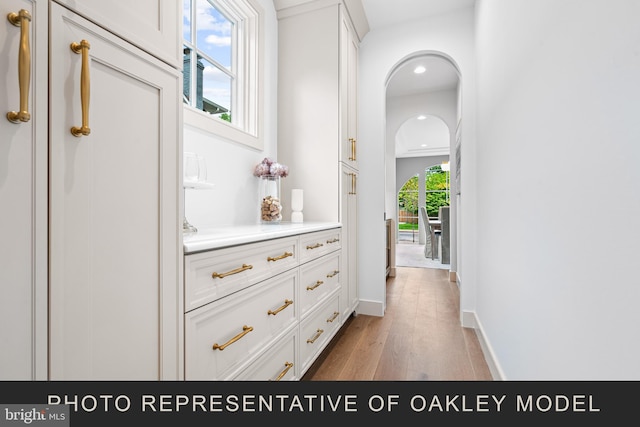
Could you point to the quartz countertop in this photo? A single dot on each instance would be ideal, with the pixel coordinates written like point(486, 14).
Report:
point(215, 238)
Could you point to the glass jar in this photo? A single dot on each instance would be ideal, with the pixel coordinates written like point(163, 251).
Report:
point(269, 197)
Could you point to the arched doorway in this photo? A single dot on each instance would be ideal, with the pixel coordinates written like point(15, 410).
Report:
point(422, 113)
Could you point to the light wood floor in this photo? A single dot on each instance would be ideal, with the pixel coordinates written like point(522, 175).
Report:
point(419, 338)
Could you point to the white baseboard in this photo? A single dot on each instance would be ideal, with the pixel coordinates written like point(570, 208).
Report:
point(371, 308)
point(470, 320)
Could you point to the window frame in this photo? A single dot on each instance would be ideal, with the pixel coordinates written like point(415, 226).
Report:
point(248, 66)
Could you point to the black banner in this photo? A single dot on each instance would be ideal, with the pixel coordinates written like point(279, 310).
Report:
point(202, 403)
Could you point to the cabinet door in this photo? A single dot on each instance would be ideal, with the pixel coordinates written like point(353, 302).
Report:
point(349, 219)
point(348, 93)
point(115, 233)
point(23, 193)
point(150, 24)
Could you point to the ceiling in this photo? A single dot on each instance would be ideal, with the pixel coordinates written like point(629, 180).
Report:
point(416, 138)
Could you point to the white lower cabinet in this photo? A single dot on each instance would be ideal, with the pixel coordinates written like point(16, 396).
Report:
point(262, 310)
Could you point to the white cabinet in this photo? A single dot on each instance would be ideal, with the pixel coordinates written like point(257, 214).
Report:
point(23, 191)
point(317, 127)
point(263, 309)
point(115, 240)
point(148, 24)
point(349, 220)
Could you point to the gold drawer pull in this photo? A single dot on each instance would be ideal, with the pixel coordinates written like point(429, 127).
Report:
point(333, 240)
point(22, 19)
point(288, 365)
point(318, 283)
point(333, 273)
point(287, 303)
point(317, 245)
point(229, 273)
point(335, 314)
point(85, 87)
point(284, 255)
point(245, 330)
point(317, 335)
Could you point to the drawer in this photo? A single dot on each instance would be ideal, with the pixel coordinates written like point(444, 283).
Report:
point(318, 279)
point(223, 335)
point(317, 330)
point(215, 274)
point(279, 363)
point(315, 245)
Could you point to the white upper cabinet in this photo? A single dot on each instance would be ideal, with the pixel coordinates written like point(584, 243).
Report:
point(148, 24)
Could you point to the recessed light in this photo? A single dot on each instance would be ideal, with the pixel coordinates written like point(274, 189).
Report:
point(421, 117)
point(419, 69)
point(423, 145)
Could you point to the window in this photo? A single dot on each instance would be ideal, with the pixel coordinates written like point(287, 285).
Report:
point(222, 45)
point(436, 183)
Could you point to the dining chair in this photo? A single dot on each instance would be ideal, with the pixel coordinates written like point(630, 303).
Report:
point(433, 236)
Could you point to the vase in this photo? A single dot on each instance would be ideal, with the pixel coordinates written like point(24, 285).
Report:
point(269, 197)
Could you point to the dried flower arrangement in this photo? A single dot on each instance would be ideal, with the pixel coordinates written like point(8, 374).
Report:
point(270, 168)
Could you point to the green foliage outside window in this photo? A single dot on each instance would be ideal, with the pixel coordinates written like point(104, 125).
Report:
point(436, 189)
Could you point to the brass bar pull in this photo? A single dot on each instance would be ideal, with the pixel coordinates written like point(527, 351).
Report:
point(316, 336)
point(288, 366)
point(22, 19)
point(318, 283)
point(353, 184)
point(333, 273)
point(333, 241)
point(229, 273)
point(284, 255)
point(287, 303)
point(85, 86)
point(317, 245)
point(332, 318)
point(245, 330)
point(353, 149)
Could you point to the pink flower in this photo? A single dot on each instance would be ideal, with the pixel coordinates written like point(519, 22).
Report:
point(270, 167)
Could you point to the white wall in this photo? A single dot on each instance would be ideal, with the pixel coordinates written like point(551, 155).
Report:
point(558, 154)
point(380, 51)
point(234, 200)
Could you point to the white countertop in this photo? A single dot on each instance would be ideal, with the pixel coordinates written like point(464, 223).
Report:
point(215, 238)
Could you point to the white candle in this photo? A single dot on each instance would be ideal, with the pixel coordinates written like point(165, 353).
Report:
point(296, 199)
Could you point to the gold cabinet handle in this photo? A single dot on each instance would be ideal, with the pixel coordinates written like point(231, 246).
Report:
point(318, 283)
point(315, 337)
point(245, 330)
point(332, 318)
point(22, 19)
point(333, 273)
point(286, 304)
point(229, 273)
point(287, 367)
point(336, 240)
point(317, 245)
point(85, 86)
point(353, 184)
point(284, 255)
point(353, 149)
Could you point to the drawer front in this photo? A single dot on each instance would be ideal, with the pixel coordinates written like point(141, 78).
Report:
point(318, 279)
point(316, 331)
point(279, 363)
point(223, 335)
point(315, 245)
point(215, 274)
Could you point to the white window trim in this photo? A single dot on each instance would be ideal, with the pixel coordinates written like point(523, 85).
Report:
point(250, 85)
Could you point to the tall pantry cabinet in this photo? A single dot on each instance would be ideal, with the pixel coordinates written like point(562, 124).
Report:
point(113, 144)
point(317, 121)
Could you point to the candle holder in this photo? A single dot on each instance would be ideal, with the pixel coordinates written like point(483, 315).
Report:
point(296, 205)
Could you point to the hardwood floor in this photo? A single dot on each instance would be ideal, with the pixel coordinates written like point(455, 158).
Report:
point(420, 338)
